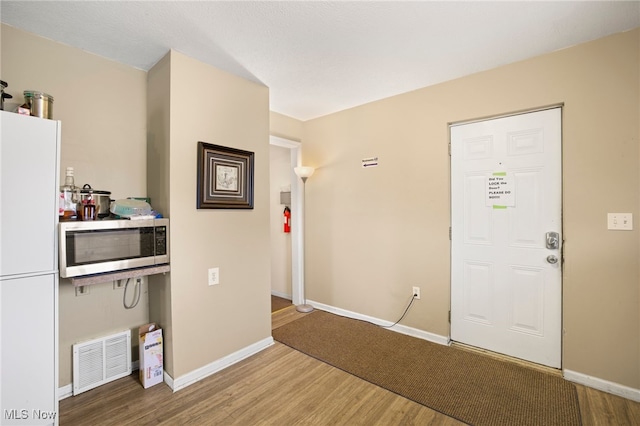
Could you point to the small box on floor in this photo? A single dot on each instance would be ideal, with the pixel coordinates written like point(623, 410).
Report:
point(151, 362)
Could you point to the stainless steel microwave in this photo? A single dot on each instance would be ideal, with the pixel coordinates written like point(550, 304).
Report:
point(100, 246)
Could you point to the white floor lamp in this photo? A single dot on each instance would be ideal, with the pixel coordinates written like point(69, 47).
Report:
point(304, 173)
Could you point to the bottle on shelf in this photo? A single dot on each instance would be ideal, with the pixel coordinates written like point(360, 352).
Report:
point(68, 197)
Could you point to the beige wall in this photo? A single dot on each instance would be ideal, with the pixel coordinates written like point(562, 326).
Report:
point(102, 107)
point(373, 234)
point(210, 322)
point(285, 127)
point(280, 177)
point(158, 162)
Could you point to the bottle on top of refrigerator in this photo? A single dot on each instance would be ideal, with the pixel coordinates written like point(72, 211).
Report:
point(68, 196)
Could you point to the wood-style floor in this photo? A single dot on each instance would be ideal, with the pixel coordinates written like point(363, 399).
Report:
point(278, 303)
point(281, 386)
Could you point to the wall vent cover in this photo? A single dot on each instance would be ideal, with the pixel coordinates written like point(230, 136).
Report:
point(100, 361)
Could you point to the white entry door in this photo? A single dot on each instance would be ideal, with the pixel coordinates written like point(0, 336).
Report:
point(506, 235)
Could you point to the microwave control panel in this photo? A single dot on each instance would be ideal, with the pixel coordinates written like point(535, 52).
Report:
point(161, 240)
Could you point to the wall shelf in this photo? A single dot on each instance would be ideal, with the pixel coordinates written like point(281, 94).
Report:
point(120, 275)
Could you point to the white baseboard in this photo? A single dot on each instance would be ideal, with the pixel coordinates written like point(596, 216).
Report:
point(202, 372)
point(602, 385)
point(279, 294)
point(168, 380)
point(420, 334)
point(67, 391)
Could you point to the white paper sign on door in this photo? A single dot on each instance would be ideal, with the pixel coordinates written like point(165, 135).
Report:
point(500, 191)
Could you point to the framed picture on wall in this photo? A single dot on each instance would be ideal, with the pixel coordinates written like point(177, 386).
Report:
point(225, 177)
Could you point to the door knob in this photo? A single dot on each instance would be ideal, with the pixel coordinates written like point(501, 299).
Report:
point(552, 259)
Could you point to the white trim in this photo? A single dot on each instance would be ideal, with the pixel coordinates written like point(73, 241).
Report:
point(212, 368)
point(403, 329)
point(602, 385)
point(508, 114)
point(66, 391)
point(280, 294)
point(168, 379)
point(297, 217)
point(283, 143)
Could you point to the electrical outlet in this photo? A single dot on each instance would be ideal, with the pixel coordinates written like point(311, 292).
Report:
point(120, 284)
point(214, 276)
point(416, 292)
point(82, 290)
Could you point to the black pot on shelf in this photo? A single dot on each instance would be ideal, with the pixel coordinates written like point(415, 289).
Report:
point(3, 96)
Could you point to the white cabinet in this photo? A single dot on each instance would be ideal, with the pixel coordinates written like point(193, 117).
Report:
point(29, 182)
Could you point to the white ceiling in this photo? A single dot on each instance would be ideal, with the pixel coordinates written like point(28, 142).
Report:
point(318, 57)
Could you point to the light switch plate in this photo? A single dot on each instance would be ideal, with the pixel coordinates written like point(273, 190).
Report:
point(214, 276)
point(620, 221)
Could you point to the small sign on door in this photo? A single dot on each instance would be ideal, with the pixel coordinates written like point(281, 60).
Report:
point(500, 191)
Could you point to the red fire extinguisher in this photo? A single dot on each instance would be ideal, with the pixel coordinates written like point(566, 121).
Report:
point(287, 220)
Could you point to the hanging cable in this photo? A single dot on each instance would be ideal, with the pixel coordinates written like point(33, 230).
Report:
point(413, 297)
point(136, 294)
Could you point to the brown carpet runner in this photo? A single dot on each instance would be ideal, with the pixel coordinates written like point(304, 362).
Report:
point(470, 387)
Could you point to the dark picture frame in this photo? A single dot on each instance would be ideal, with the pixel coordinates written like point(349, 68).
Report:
point(225, 177)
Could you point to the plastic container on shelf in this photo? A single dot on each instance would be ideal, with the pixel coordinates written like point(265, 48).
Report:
point(127, 208)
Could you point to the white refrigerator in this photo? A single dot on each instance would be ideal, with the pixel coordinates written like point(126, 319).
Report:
point(29, 194)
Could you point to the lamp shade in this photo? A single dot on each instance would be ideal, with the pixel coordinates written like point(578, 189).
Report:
point(304, 171)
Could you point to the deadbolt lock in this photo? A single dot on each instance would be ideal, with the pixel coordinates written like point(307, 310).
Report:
point(552, 240)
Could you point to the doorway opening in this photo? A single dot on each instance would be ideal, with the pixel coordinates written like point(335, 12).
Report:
point(296, 235)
